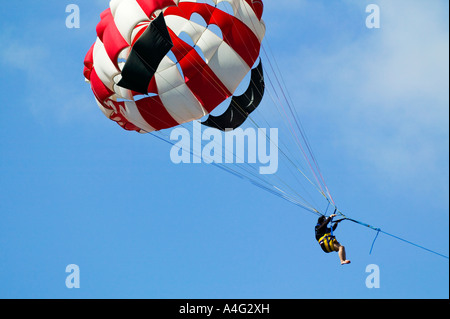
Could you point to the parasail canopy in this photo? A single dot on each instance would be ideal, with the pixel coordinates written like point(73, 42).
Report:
point(147, 78)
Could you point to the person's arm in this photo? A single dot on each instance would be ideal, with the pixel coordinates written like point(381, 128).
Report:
point(325, 223)
point(335, 224)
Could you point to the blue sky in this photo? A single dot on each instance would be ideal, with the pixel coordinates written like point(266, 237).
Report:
point(77, 189)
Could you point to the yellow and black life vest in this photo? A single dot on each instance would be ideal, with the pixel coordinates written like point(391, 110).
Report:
point(327, 243)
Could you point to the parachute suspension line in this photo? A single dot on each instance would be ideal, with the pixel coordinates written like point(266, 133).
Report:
point(292, 130)
point(287, 157)
point(297, 121)
point(315, 171)
point(255, 176)
point(326, 210)
point(242, 112)
point(317, 186)
point(247, 168)
point(278, 192)
point(290, 161)
point(281, 151)
point(294, 115)
point(270, 81)
point(255, 124)
point(275, 191)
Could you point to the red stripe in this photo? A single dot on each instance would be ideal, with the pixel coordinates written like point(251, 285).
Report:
point(89, 62)
point(149, 7)
point(155, 114)
point(199, 77)
point(257, 6)
point(235, 33)
point(152, 88)
point(110, 36)
point(140, 32)
point(100, 90)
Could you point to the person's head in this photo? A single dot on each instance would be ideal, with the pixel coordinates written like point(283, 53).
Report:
point(321, 220)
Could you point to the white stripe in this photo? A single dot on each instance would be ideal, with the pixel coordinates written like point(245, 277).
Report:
point(247, 15)
point(228, 66)
point(127, 14)
point(177, 98)
point(132, 114)
point(168, 76)
point(105, 69)
point(182, 105)
point(108, 73)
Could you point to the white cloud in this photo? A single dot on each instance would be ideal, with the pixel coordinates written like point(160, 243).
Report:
point(384, 91)
point(412, 59)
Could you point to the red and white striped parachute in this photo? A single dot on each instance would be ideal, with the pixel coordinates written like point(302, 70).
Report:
point(146, 78)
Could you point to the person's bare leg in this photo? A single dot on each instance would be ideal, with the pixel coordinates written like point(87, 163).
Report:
point(341, 252)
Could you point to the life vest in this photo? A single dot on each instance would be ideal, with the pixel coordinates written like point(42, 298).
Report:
point(327, 243)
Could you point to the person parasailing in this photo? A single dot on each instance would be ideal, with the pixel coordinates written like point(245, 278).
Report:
point(326, 239)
